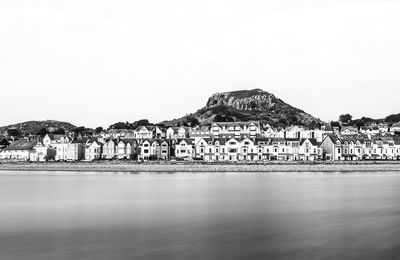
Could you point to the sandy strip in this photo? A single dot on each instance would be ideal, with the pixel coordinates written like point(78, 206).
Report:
point(202, 167)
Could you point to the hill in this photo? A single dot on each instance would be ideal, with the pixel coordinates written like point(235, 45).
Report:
point(32, 127)
point(247, 105)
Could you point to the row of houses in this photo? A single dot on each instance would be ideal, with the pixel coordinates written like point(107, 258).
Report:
point(232, 141)
point(245, 129)
point(359, 147)
point(61, 148)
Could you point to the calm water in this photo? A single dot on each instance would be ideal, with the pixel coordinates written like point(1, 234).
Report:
point(200, 216)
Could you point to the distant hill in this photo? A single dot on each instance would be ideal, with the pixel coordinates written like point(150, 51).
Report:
point(247, 105)
point(32, 127)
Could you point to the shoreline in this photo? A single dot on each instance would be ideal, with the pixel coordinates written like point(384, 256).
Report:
point(168, 167)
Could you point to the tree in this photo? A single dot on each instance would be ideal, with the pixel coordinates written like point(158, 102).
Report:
point(142, 122)
point(42, 132)
point(335, 124)
point(393, 118)
point(98, 130)
point(222, 118)
point(83, 131)
point(59, 131)
point(13, 132)
point(193, 121)
point(345, 118)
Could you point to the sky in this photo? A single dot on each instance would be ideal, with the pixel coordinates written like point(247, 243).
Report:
point(94, 63)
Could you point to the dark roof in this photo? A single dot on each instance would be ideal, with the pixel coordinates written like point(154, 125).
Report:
point(22, 145)
point(82, 140)
point(55, 137)
point(313, 141)
point(4, 141)
point(131, 141)
point(187, 140)
point(92, 140)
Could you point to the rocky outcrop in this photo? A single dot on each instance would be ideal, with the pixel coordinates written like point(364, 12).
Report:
point(248, 105)
point(256, 99)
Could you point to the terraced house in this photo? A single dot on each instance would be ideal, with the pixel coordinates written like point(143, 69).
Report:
point(235, 129)
point(24, 150)
point(257, 149)
point(359, 147)
point(154, 149)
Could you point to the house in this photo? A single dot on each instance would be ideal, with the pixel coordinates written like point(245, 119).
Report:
point(51, 139)
point(309, 150)
point(109, 149)
point(383, 128)
point(202, 146)
point(332, 148)
point(236, 129)
point(349, 130)
point(69, 151)
point(153, 149)
point(200, 131)
point(125, 148)
point(247, 150)
point(160, 149)
point(395, 128)
point(93, 149)
point(41, 153)
point(172, 132)
point(232, 149)
point(211, 149)
point(184, 149)
point(293, 132)
point(145, 150)
point(268, 132)
point(19, 150)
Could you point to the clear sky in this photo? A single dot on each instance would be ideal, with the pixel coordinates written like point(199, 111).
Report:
point(97, 62)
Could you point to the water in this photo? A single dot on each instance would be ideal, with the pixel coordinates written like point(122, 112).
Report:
point(199, 216)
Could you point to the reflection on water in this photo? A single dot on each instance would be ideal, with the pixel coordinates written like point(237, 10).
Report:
point(200, 216)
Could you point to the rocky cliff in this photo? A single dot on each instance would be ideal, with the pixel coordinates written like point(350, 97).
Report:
point(246, 105)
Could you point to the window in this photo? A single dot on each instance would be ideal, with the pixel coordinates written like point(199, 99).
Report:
point(232, 143)
point(246, 143)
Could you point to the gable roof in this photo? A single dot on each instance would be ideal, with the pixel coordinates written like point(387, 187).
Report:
point(54, 137)
point(187, 140)
point(313, 141)
point(22, 145)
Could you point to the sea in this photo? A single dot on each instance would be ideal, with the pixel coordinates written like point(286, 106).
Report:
point(89, 215)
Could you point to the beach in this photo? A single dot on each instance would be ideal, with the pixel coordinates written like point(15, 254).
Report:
point(136, 167)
